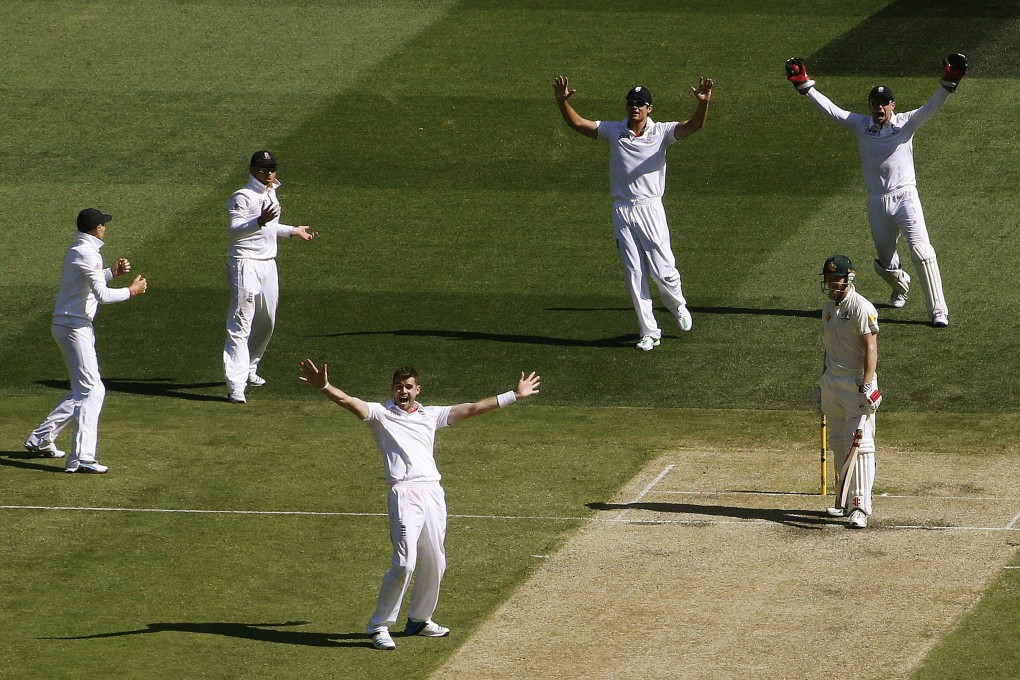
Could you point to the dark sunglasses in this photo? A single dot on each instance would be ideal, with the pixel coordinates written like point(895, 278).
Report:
point(265, 170)
point(634, 103)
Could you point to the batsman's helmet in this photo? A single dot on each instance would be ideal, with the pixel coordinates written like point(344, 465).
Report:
point(839, 266)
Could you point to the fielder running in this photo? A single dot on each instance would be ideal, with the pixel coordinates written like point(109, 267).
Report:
point(849, 385)
point(255, 226)
point(886, 143)
point(405, 432)
point(82, 289)
point(637, 180)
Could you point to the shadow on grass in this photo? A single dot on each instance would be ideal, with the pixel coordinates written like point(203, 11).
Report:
point(260, 632)
point(27, 461)
point(799, 519)
point(153, 387)
point(616, 341)
point(755, 311)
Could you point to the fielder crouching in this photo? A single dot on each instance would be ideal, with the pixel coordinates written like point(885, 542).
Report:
point(848, 394)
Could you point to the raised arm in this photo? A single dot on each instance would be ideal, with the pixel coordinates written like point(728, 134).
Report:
point(703, 93)
point(526, 386)
point(561, 88)
point(320, 380)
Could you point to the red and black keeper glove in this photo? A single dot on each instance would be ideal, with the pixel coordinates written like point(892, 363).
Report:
point(796, 73)
point(955, 67)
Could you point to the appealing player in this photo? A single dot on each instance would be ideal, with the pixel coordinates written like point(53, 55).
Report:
point(637, 181)
point(886, 143)
point(849, 385)
point(405, 432)
point(254, 212)
point(82, 289)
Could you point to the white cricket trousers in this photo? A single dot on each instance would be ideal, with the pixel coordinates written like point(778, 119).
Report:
point(418, 533)
point(642, 237)
point(254, 294)
point(83, 404)
point(843, 405)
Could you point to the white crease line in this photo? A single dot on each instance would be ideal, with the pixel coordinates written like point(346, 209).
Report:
point(186, 511)
point(1012, 524)
point(645, 491)
point(793, 493)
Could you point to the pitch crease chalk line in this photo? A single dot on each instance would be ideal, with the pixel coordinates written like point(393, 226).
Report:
point(1015, 521)
point(644, 492)
point(186, 511)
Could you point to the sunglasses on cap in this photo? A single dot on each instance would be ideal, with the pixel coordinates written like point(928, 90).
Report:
point(636, 103)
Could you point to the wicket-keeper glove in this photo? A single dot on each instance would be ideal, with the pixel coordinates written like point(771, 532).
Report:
point(796, 73)
point(955, 67)
point(872, 397)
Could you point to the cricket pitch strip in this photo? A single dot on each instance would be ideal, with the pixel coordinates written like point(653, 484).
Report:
point(705, 566)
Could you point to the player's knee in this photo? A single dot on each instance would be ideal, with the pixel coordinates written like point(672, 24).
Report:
point(922, 252)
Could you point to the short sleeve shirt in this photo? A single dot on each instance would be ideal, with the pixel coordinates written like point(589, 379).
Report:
point(407, 440)
point(637, 165)
point(844, 324)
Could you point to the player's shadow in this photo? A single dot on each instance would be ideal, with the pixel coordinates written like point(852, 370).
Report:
point(615, 341)
point(800, 519)
point(30, 461)
point(259, 632)
point(152, 387)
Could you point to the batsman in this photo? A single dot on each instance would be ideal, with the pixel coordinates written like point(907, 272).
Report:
point(885, 140)
point(848, 393)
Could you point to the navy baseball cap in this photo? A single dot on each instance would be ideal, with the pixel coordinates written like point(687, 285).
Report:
point(641, 94)
point(90, 218)
point(263, 159)
point(881, 92)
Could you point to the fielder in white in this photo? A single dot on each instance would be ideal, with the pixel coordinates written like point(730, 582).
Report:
point(405, 432)
point(886, 143)
point(82, 289)
point(849, 385)
point(255, 226)
point(637, 180)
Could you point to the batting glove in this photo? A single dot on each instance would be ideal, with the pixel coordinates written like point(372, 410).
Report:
point(872, 397)
point(796, 73)
point(955, 67)
point(816, 400)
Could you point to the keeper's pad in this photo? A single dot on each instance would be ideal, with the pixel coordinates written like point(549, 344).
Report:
point(897, 279)
point(927, 267)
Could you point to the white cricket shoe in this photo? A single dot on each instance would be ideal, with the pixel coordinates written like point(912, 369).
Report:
point(897, 300)
point(237, 398)
point(427, 628)
point(647, 343)
point(939, 319)
point(256, 380)
point(835, 512)
point(381, 640)
point(858, 520)
point(683, 319)
point(89, 466)
point(49, 449)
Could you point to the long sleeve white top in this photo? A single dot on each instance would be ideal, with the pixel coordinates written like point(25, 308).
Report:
point(887, 151)
point(247, 238)
point(83, 284)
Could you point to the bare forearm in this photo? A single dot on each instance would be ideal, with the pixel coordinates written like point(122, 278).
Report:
point(575, 121)
point(695, 122)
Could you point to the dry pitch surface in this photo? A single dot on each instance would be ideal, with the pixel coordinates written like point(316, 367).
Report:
point(707, 567)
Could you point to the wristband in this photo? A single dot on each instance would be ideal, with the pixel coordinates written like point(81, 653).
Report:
point(506, 399)
point(325, 387)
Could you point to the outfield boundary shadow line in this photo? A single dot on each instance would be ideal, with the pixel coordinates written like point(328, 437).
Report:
point(259, 632)
point(798, 519)
point(150, 387)
point(618, 341)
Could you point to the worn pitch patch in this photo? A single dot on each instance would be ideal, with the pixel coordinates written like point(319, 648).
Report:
point(724, 565)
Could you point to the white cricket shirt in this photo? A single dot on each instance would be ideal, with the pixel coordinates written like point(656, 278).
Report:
point(247, 238)
point(407, 440)
point(887, 151)
point(83, 284)
point(844, 324)
point(637, 165)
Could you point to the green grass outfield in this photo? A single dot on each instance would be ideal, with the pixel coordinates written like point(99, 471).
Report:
point(464, 230)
